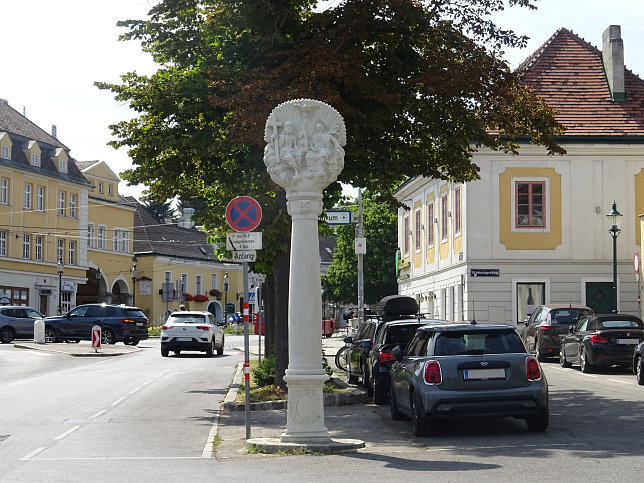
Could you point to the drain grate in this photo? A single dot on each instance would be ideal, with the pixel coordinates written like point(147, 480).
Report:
point(87, 420)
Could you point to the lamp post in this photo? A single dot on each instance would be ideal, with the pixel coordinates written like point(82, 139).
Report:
point(135, 272)
point(98, 285)
point(226, 297)
point(60, 266)
point(615, 218)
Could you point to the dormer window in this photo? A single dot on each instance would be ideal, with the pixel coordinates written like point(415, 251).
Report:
point(62, 166)
point(5, 146)
point(35, 159)
point(6, 152)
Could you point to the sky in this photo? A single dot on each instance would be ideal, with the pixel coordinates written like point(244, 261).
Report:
point(56, 50)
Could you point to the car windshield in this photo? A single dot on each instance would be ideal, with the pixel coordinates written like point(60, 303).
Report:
point(622, 324)
point(478, 342)
point(187, 319)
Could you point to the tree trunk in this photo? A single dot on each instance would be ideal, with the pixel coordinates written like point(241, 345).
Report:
point(268, 295)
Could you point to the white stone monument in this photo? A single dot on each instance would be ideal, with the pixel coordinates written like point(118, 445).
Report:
point(304, 155)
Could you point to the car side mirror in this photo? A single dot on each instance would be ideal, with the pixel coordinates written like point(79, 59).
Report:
point(348, 340)
point(397, 353)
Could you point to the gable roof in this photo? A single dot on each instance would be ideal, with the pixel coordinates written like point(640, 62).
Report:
point(165, 239)
point(568, 73)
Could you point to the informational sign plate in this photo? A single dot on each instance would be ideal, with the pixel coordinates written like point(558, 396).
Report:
point(244, 242)
point(335, 217)
point(484, 272)
point(243, 213)
point(247, 256)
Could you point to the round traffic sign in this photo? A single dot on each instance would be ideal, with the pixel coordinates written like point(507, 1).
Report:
point(243, 213)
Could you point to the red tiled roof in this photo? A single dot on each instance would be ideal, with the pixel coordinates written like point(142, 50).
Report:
point(568, 73)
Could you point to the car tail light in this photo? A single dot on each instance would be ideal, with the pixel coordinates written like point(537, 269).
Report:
point(532, 369)
point(384, 357)
point(598, 339)
point(204, 327)
point(127, 321)
point(433, 373)
point(166, 327)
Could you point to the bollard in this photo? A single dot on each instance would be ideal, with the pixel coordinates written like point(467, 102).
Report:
point(96, 337)
point(39, 331)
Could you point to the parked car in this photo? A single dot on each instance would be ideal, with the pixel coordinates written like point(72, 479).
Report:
point(601, 340)
point(118, 323)
point(389, 308)
point(17, 322)
point(192, 331)
point(638, 363)
point(467, 370)
point(547, 325)
point(379, 360)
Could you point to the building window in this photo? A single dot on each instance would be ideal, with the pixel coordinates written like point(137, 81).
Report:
point(417, 234)
point(3, 243)
point(5, 152)
point(100, 187)
point(4, 191)
point(38, 245)
point(444, 217)
point(72, 205)
point(27, 196)
point(16, 295)
point(184, 282)
point(34, 159)
point(71, 253)
point(26, 247)
point(457, 210)
point(60, 250)
point(530, 204)
point(109, 189)
point(100, 238)
point(168, 277)
point(198, 289)
point(61, 203)
point(123, 247)
point(90, 235)
point(214, 281)
point(62, 166)
point(40, 198)
point(430, 224)
point(406, 234)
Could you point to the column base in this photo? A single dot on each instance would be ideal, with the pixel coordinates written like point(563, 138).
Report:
point(305, 409)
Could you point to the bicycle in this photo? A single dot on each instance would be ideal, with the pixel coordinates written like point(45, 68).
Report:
point(341, 358)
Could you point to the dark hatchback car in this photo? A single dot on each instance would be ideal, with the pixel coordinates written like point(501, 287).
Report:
point(467, 370)
point(17, 322)
point(380, 359)
point(602, 340)
point(638, 363)
point(119, 323)
point(547, 325)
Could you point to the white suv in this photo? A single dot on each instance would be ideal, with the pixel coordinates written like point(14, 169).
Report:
point(192, 331)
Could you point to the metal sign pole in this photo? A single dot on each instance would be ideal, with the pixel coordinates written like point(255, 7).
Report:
point(246, 351)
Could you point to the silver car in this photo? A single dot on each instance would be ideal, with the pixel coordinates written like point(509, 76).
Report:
point(467, 370)
point(192, 331)
point(17, 322)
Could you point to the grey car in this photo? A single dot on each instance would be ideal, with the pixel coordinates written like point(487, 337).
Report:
point(17, 322)
point(467, 370)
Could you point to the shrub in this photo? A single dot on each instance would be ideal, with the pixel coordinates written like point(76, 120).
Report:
point(214, 292)
point(264, 374)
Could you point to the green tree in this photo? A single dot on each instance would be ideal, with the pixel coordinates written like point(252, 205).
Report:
point(380, 230)
point(160, 211)
point(419, 83)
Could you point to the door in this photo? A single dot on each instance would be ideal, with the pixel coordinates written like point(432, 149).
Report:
point(599, 297)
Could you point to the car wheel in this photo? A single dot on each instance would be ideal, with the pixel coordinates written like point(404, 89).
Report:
point(639, 371)
point(538, 422)
point(107, 337)
point(210, 350)
point(562, 358)
point(131, 341)
point(541, 357)
point(220, 350)
point(379, 392)
point(6, 335)
point(418, 421)
point(164, 352)
point(585, 366)
point(395, 413)
point(50, 335)
point(365, 382)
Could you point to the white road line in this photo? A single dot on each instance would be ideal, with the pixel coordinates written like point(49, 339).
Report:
point(136, 389)
point(621, 382)
point(119, 401)
point(115, 458)
point(95, 415)
point(67, 433)
point(431, 450)
point(33, 453)
point(208, 448)
point(586, 375)
point(150, 381)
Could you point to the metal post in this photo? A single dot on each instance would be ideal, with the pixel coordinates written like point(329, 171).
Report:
point(135, 272)
point(359, 230)
point(615, 218)
point(98, 285)
point(225, 297)
point(615, 273)
point(246, 350)
point(61, 268)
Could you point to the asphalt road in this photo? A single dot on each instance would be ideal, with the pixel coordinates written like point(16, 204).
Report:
point(141, 417)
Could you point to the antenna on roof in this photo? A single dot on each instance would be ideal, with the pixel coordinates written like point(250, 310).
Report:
point(473, 322)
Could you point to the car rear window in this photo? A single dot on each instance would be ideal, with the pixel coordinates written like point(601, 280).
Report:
point(567, 316)
point(400, 334)
point(478, 342)
point(133, 313)
point(188, 319)
point(622, 324)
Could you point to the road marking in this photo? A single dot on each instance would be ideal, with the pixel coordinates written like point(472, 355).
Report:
point(119, 401)
point(621, 382)
point(102, 411)
point(115, 458)
point(586, 375)
point(33, 453)
point(456, 448)
point(67, 433)
point(136, 389)
point(208, 448)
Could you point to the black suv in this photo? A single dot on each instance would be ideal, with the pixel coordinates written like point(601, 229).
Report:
point(118, 323)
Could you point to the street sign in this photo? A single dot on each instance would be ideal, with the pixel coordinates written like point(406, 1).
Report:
point(335, 217)
point(241, 242)
point(361, 246)
point(246, 256)
point(251, 296)
point(243, 213)
point(484, 272)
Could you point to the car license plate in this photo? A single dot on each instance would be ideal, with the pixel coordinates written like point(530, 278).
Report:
point(139, 324)
point(628, 341)
point(184, 339)
point(479, 374)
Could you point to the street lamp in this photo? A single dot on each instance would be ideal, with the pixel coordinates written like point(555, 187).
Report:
point(615, 218)
point(98, 285)
point(135, 272)
point(60, 266)
point(225, 296)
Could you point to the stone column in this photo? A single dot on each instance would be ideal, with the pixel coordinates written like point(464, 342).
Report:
point(304, 155)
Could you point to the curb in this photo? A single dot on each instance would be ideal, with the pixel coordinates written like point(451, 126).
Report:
point(76, 353)
point(354, 396)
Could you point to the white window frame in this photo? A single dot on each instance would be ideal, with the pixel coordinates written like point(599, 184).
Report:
point(168, 277)
point(6, 152)
point(38, 248)
point(72, 205)
point(184, 282)
point(4, 191)
point(214, 280)
point(430, 224)
point(123, 242)
point(109, 189)
point(458, 210)
point(198, 285)
point(62, 166)
point(71, 252)
point(40, 198)
point(444, 218)
point(35, 159)
point(27, 192)
point(406, 237)
point(418, 236)
point(3, 243)
point(60, 249)
point(26, 246)
point(100, 187)
point(101, 234)
point(115, 239)
point(90, 235)
point(61, 203)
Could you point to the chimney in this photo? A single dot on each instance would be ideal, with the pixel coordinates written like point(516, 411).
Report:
point(185, 222)
point(613, 58)
point(53, 131)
